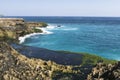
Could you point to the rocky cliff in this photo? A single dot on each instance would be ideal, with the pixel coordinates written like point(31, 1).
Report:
point(13, 28)
point(8, 22)
point(14, 22)
point(36, 24)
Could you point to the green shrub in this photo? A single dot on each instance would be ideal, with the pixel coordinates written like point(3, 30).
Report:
point(44, 24)
point(37, 30)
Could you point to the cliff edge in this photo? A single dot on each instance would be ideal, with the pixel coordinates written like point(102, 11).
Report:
point(12, 28)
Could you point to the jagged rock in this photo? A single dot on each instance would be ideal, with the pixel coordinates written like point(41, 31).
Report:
point(105, 72)
point(14, 66)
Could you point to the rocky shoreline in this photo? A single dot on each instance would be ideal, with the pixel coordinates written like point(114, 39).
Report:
point(15, 65)
point(13, 28)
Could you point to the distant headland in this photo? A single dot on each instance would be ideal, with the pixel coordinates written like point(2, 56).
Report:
point(13, 28)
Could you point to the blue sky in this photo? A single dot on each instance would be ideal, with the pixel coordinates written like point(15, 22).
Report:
point(60, 7)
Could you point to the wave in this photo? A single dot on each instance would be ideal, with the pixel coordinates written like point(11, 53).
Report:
point(62, 27)
point(23, 38)
point(44, 31)
point(51, 27)
point(54, 27)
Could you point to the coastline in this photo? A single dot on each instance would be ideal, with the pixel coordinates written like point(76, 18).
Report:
point(48, 69)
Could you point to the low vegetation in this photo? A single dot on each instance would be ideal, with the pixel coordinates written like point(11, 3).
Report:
point(91, 59)
point(94, 59)
point(44, 24)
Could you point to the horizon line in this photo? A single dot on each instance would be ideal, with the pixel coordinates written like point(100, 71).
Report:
point(58, 16)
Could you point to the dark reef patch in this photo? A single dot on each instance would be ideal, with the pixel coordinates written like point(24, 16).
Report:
point(59, 57)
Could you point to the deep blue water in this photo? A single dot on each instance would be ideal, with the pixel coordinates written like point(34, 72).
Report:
point(94, 35)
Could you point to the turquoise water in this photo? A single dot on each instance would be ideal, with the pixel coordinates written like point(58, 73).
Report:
point(100, 36)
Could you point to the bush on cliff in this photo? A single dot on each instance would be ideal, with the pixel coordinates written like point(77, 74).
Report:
point(37, 30)
point(44, 24)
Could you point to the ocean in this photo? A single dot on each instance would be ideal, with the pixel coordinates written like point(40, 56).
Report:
point(93, 35)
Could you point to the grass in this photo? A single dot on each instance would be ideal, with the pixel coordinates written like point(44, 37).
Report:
point(93, 59)
point(43, 24)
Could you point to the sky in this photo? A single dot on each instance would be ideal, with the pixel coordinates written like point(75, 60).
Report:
point(104, 8)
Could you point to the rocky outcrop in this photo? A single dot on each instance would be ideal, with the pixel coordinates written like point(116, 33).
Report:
point(14, 22)
point(105, 72)
point(7, 34)
point(8, 22)
point(13, 28)
point(36, 24)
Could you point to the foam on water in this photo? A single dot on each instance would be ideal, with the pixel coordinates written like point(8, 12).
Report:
point(45, 31)
point(51, 27)
point(23, 38)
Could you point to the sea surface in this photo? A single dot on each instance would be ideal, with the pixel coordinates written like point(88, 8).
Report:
point(94, 35)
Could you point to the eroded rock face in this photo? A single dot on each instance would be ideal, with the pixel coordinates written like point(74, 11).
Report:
point(105, 72)
point(14, 66)
point(13, 28)
point(7, 34)
point(14, 22)
point(8, 22)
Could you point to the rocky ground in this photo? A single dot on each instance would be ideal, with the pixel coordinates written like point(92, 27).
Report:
point(105, 72)
point(14, 66)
